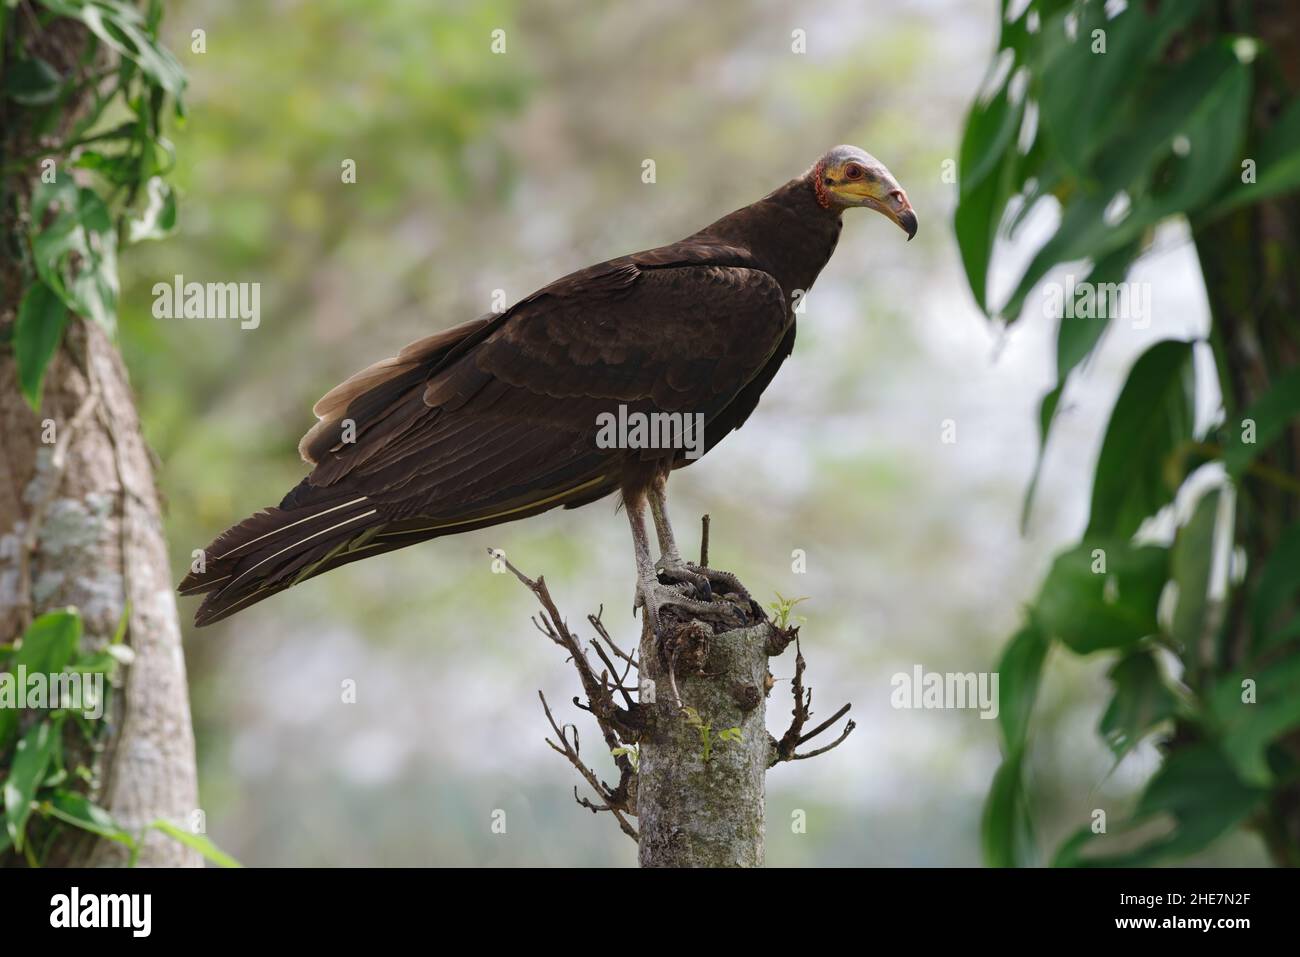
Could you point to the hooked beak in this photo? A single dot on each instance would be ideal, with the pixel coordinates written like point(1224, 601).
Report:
point(907, 220)
point(895, 205)
point(883, 194)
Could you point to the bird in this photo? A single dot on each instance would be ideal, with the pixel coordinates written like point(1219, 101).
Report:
point(501, 418)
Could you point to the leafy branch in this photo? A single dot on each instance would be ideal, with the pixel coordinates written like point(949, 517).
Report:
point(1176, 109)
point(97, 185)
point(36, 744)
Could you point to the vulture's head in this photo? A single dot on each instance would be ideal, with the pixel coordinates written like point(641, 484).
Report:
point(847, 176)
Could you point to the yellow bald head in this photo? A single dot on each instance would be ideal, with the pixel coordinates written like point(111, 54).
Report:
point(847, 176)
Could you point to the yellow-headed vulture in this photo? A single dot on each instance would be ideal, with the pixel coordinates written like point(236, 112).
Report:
point(502, 417)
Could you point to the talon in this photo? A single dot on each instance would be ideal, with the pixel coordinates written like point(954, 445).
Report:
point(679, 573)
point(653, 596)
point(729, 581)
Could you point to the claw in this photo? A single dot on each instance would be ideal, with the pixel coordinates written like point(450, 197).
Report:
point(681, 572)
point(652, 596)
point(704, 578)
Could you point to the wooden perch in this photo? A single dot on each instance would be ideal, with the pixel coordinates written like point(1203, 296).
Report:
point(692, 748)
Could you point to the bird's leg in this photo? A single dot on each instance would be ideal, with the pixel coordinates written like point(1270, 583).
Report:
point(670, 559)
point(651, 594)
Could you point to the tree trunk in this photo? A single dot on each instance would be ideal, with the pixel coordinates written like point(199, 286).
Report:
point(1252, 280)
point(80, 526)
point(700, 792)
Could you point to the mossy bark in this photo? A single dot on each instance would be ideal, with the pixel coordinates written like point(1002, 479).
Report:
point(702, 805)
point(99, 547)
point(87, 531)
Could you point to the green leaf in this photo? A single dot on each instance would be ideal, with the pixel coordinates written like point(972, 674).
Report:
point(1151, 421)
point(198, 842)
point(80, 811)
point(37, 334)
point(1206, 144)
point(122, 28)
point(74, 245)
point(1198, 788)
point(1006, 831)
point(159, 216)
point(986, 160)
point(1076, 338)
point(32, 82)
point(1141, 701)
point(47, 646)
point(1082, 92)
point(50, 641)
point(120, 169)
point(1277, 166)
point(1103, 593)
point(1189, 563)
point(1046, 416)
point(1271, 414)
point(1278, 584)
point(1247, 728)
point(25, 776)
point(1202, 106)
point(1019, 674)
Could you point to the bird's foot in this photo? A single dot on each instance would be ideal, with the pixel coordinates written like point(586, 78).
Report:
point(706, 580)
point(681, 573)
point(653, 597)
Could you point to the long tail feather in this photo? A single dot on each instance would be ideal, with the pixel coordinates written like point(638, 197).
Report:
point(277, 548)
point(266, 552)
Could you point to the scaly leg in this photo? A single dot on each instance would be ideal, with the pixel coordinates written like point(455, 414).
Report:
point(651, 595)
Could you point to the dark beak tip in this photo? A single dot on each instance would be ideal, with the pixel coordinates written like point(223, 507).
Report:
point(909, 224)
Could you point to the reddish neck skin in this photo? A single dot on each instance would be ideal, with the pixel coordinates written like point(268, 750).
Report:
point(819, 186)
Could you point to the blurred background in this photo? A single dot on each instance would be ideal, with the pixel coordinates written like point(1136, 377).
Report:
point(478, 171)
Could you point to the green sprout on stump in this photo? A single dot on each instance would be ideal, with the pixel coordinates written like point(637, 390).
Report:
point(707, 737)
point(633, 754)
point(781, 609)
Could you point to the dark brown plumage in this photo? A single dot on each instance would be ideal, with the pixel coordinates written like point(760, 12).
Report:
point(496, 419)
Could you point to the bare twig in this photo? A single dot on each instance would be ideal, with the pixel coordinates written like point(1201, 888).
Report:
point(617, 725)
point(848, 729)
point(826, 724)
point(704, 541)
point(785, 749)
point(618, 683)
point(604, 635)
point(614, 802)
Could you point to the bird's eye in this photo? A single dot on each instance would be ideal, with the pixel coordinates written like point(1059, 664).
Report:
point(853, 171)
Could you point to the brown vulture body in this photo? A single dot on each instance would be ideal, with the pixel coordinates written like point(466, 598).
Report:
point(496, 419)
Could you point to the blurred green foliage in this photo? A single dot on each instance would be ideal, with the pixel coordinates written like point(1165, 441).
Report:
point(41, 747)
point(80, 114)
point(1124, 116)
point(478, 171)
